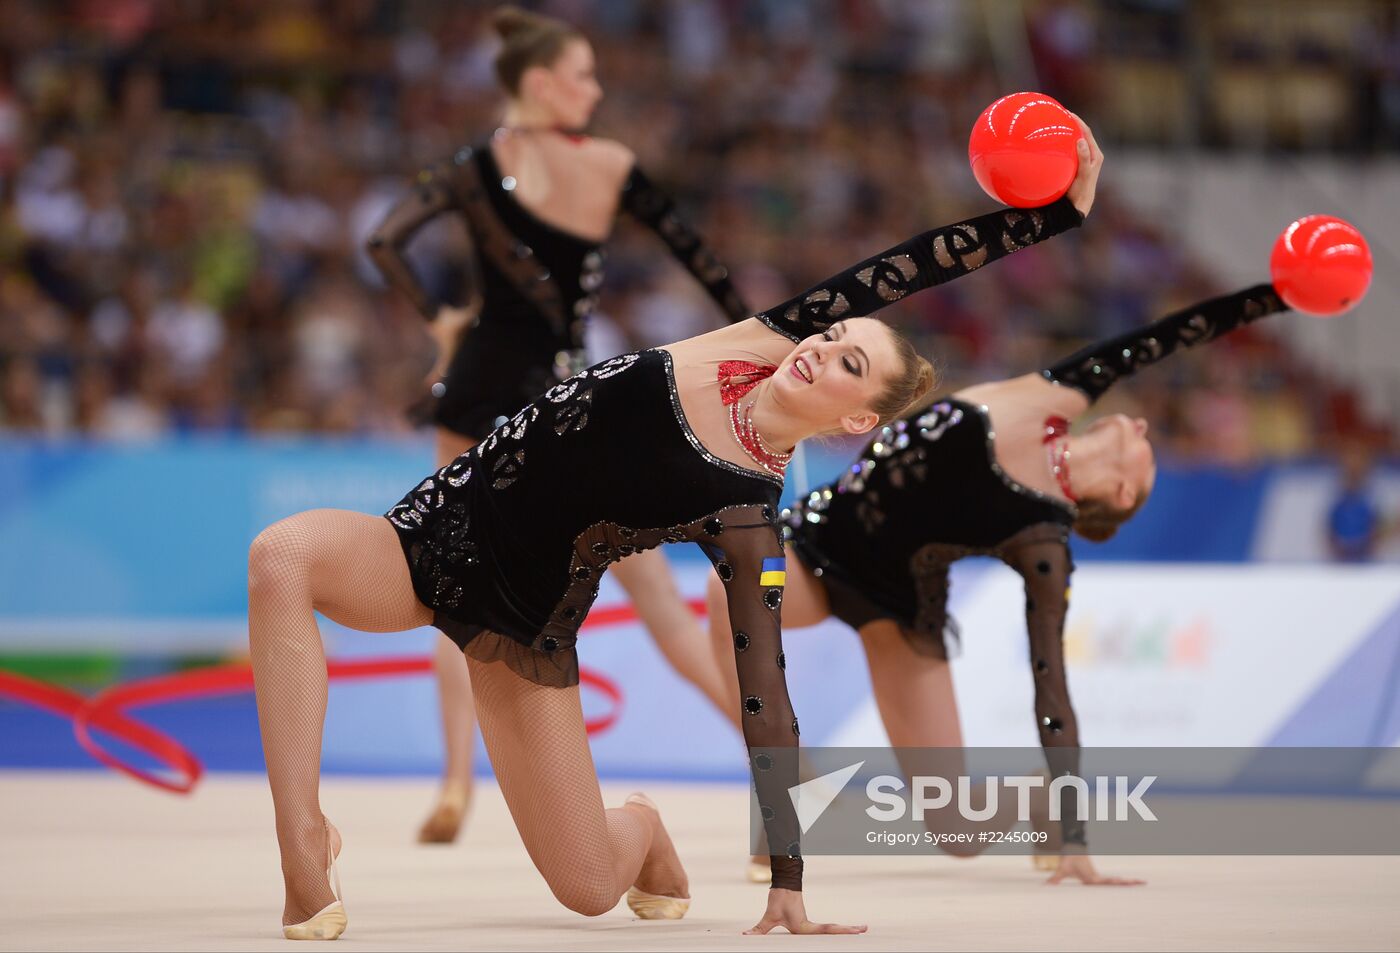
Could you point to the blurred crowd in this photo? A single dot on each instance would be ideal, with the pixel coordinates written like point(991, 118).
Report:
point(185, 189)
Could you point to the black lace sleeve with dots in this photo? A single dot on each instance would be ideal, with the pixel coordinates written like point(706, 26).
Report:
point(1093, 370)
point(749, 560)
point(1040, 554)
point(933, 258)
point(654, 208)
point(432, 195)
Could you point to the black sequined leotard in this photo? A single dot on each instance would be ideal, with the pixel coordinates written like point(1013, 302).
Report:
point(506, 544)
point(927, 491)
point(537, 283)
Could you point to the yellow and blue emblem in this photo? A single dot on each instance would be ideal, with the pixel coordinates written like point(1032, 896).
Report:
point(774, 571)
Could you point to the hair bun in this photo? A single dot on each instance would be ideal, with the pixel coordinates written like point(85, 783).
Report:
point(511, 19)
point(527, 39)
point(926, 379)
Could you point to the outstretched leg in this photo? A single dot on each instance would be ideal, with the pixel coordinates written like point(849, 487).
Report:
point(455, 699)
point(646, 576)
point(913, 692)
point(539, 748)
point(458, 734)
point(350, 567)
point(919, 708)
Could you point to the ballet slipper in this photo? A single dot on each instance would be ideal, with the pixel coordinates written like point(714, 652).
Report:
point(443, 825)
point(330, 921)
point(650, 906)
point(759, 871)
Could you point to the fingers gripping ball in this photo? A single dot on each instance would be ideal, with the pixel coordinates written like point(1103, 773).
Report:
point(1022, 150)
point(1321, 265)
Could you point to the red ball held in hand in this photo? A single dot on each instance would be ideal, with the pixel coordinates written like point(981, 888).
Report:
point(1022, 150)
point(1321, 265)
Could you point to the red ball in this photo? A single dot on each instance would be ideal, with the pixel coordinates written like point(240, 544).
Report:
point(1022, 150)
point(1321, 265)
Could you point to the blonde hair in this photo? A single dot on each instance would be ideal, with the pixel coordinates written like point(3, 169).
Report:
point(527, 39)
point(907, 386)
point(1098, 522)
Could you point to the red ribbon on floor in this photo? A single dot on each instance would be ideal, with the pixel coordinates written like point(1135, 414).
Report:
point(69, 704)
point(106, 710)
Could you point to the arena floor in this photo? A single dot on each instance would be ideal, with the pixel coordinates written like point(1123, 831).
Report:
point(93, 861)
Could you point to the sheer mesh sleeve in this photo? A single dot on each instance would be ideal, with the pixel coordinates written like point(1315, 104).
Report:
point(933, 258)
point(935, 631)
point(654, 208)
point(1093, 370)
point(431, 195)
point(748, 557)
point(1041, 555)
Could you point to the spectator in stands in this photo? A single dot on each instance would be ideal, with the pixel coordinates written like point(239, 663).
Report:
point(1354, 523)
point(235, 160)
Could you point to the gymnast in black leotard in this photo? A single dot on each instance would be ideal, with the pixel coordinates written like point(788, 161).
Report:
point(535, 283)
point(503, 547)
point(538, 204)
point(990, 470)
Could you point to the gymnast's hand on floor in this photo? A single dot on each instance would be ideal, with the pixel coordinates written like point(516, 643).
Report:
point(785, 909)
point(1081, 190)
point(1081, 868)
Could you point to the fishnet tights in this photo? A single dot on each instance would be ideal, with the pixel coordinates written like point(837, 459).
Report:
point(646, 578)
point(539, 748)
point(350, 567)
point(449, 665)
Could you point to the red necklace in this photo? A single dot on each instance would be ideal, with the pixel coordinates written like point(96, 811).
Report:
point(1056, 442)
point(736, 379)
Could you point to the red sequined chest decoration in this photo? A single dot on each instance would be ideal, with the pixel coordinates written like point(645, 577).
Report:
point(737, 378)
point(1056, 442)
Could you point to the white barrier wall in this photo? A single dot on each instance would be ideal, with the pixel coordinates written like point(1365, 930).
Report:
point(1158, 655)
point(1187, 656)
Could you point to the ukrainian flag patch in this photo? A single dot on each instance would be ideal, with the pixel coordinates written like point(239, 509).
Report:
point(774, 571)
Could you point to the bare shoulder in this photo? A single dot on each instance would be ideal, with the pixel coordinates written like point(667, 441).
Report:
point(609, 157)
point(1064, 400)
point(748, 337)
point(1029, 391)
point(987, 393)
